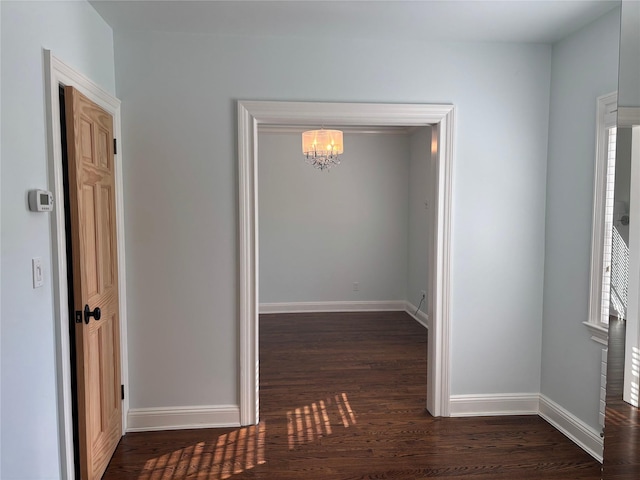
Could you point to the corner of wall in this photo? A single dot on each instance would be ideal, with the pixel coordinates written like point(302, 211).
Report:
point(572, 427)
point(583, 67)
point(419, 194)
point(531, 404)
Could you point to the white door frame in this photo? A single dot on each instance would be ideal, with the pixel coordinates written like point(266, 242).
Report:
point(441, 118)
point(629, 117)
point(58, 73)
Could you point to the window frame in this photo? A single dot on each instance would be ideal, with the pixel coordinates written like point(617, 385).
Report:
point(607, 106)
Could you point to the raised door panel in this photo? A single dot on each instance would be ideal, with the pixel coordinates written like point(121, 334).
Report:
point(94, 258)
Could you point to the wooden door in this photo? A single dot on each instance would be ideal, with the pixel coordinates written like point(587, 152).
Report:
point(95, 280)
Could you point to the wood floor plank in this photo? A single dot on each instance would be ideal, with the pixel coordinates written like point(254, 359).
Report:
point(343, 396)
point(622, 421)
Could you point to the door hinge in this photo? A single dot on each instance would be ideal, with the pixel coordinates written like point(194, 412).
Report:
point(122, 392)
point(115, 146)
point(78, 316)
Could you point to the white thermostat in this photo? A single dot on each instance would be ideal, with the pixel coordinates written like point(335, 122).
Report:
point(40, 201)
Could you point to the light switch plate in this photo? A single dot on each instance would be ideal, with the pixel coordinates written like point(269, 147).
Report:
point(38, 275)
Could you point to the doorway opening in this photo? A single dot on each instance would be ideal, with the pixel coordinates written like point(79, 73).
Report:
point(70, 304)
point(343, 267)
point(441, 118)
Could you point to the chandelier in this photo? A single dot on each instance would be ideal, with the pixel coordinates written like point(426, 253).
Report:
point(322, 148)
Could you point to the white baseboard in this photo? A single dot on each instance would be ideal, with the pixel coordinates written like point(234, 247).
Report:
point(494, 405)
point(575, 429)
point(366, 306)
point(531, 404)
point(177, 418)
point(419, 317)
point(308, 307)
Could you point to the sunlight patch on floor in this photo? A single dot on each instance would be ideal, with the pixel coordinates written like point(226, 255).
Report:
point(627, 417)
point(635, 374)
point(243, 449)
point(227, 455)
point(311, 422)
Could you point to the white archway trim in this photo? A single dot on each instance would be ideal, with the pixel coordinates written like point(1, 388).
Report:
point(253, 113)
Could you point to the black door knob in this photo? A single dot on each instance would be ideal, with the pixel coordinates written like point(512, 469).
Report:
point(88, 313)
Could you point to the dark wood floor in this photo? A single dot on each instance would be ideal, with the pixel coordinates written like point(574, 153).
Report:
point(622, 421)
point(343, 397)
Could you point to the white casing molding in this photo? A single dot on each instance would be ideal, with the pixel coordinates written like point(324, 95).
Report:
point(572, 427)
point(251, 114)
point(631, 389)
point(494, 404)
point(178, 418)
point(606, 118)
point(326, 307)
point(599, 333)
point(628, 116)
point(58, 73)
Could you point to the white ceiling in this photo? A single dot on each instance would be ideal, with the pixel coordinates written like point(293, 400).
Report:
point(538, 21)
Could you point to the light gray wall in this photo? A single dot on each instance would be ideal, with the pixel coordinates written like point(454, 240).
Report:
point(322, 231)
point(79, 37)
point(179, 95)
point(0, 242)
point(584, 66)
point(420, 179)
point(629, 86)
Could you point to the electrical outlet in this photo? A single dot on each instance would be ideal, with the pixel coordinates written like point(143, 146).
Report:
point(356, 287)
